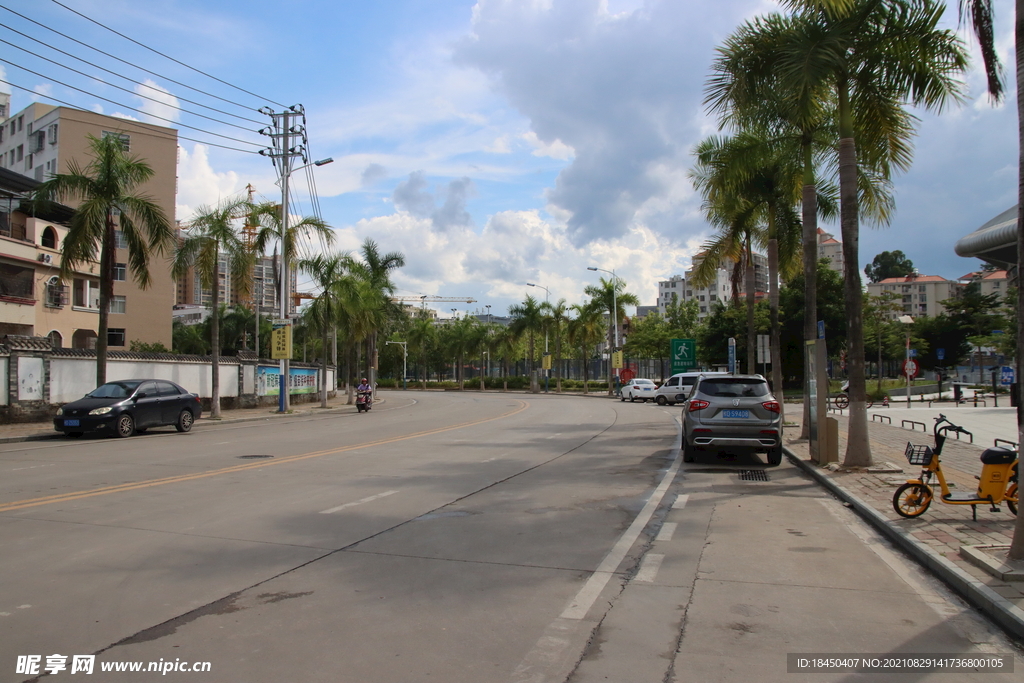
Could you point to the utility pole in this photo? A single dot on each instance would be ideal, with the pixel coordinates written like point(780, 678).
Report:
point(282, 152)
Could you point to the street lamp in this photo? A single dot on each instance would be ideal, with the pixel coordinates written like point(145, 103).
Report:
point(547, 294)
point(615, 317)
point(908, 321)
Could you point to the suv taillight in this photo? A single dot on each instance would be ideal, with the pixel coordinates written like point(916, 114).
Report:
point(772, 406)
point(696, 404)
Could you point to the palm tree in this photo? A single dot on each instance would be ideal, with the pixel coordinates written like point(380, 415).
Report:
point(327, 271)
point(612, 298)
point(557, 316)
point(212, 247)
point(106, 192)
point(585, 332)
point(422, 336)
point(269, 221)
point(377, 271)
point(527, 319)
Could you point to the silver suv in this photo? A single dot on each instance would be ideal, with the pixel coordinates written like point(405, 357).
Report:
point(677, 387)
point(732, 412)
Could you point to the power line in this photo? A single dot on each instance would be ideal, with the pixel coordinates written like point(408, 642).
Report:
point(119, 104)
point(130, 92)
point(114, 73)
point(123, 61)
point(73, 106)
point(166, 56)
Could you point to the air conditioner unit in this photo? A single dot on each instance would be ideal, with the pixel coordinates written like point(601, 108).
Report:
point(46, 258)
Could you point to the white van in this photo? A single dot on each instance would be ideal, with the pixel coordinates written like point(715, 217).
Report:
point(677, 387)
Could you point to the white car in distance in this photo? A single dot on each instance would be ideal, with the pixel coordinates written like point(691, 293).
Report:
point(641, 389)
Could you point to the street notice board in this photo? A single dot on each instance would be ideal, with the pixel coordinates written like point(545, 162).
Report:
point(281, 340)
point(684, 355)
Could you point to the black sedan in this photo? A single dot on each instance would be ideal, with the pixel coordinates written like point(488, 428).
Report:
point(128, 406)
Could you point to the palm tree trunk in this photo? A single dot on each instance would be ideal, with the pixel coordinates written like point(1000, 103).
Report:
point(1017, 543)
point(215, 343)
point(776, 339)
point(751, 331)
point(810, 235)
point(107, 256)
point(858, 447)
point(558, 367)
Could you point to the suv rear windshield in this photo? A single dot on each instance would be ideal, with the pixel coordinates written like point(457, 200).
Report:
point(734, 387)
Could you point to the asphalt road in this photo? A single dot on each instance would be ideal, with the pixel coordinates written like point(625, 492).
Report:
point(445, 537)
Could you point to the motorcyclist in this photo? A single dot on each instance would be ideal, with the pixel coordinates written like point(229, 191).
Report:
point(364, 388)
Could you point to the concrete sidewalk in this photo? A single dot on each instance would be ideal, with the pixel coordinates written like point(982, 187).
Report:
point(937, 537)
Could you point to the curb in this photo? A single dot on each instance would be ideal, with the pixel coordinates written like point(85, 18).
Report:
point(202, 422)
point(999, 609)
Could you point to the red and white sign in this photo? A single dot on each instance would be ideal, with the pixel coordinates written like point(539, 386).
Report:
point(911, 368)
point(627, 374)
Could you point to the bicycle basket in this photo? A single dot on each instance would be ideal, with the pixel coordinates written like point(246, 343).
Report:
point(919, 455)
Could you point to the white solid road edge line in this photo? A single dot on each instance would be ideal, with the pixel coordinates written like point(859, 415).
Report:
point(584, 600)
point(358, 502)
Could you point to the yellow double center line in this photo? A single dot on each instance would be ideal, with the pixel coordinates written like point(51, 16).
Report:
point(131, 486)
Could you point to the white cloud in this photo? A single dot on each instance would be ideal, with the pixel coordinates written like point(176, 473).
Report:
point(157, 102)
point(556, 149)
point(198, 184)
point(41, 92)
point(122, 115)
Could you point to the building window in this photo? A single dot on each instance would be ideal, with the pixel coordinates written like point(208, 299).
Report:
point(56, 339)
point(117, 304)
point(995, 285)
point(49, 239)
point(16, 281)
point(21, 152)
point(703, 309)
point(115, 336)
point(922, 288)
point(56, 295)
point(126, 141)
point(119, 241)
point(923, 298)
point(86, 294)
point(119, 272)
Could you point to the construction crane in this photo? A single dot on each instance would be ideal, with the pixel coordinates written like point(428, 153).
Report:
point(424, 299)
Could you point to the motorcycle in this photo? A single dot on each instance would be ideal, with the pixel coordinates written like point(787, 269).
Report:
point(364, 401)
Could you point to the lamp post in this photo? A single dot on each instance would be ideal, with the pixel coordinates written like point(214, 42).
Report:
point(547, 295)
point(405, 357)
point(615, 320)
point(488, 307)
point(908, 321)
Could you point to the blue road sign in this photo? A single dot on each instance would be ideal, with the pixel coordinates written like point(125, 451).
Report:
point(821, 329)
point(941, 353)
point(913, 353)
point(1007, 376)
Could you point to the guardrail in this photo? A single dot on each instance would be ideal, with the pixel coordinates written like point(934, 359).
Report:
point(1012, 443)
point(881, 417)
point(924, 427)
point(957, 435)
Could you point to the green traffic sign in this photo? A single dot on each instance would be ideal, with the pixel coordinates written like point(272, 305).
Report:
point(684, 355)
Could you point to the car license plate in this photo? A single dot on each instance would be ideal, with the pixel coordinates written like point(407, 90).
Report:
point(735, 413)
point(71, 423)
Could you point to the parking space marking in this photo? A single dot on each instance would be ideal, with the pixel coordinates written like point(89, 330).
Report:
point(649, 568)
point(680, 501)
point(587, 595)
point(358, 502)
point(667, 530)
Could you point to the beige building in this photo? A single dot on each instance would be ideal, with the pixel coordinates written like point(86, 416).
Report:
point(920, 294)
point(42, 140)
point(721, 289)
point(990, 282)
point(832, 249)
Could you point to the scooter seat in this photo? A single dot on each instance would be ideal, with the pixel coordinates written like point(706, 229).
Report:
point(997, 456)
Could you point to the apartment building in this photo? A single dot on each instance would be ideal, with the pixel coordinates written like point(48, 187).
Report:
point(263, 291)
point(832, 249)
point(990, 282)
point(920, 294)
point(41, 140)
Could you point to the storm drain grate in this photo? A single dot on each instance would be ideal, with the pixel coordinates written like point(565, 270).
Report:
point(254, 457)
point(753, 475)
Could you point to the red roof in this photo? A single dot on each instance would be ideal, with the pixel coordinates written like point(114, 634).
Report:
point(912, 278)
point(831, 240)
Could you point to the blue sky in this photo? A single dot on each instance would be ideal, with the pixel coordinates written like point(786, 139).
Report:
point(493, 143)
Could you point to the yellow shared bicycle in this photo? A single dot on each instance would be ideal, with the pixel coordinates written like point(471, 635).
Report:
point(997, 483)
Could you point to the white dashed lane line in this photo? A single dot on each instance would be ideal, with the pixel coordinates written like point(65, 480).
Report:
point(358, 502)
point(681, 501)
point(666, 532)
